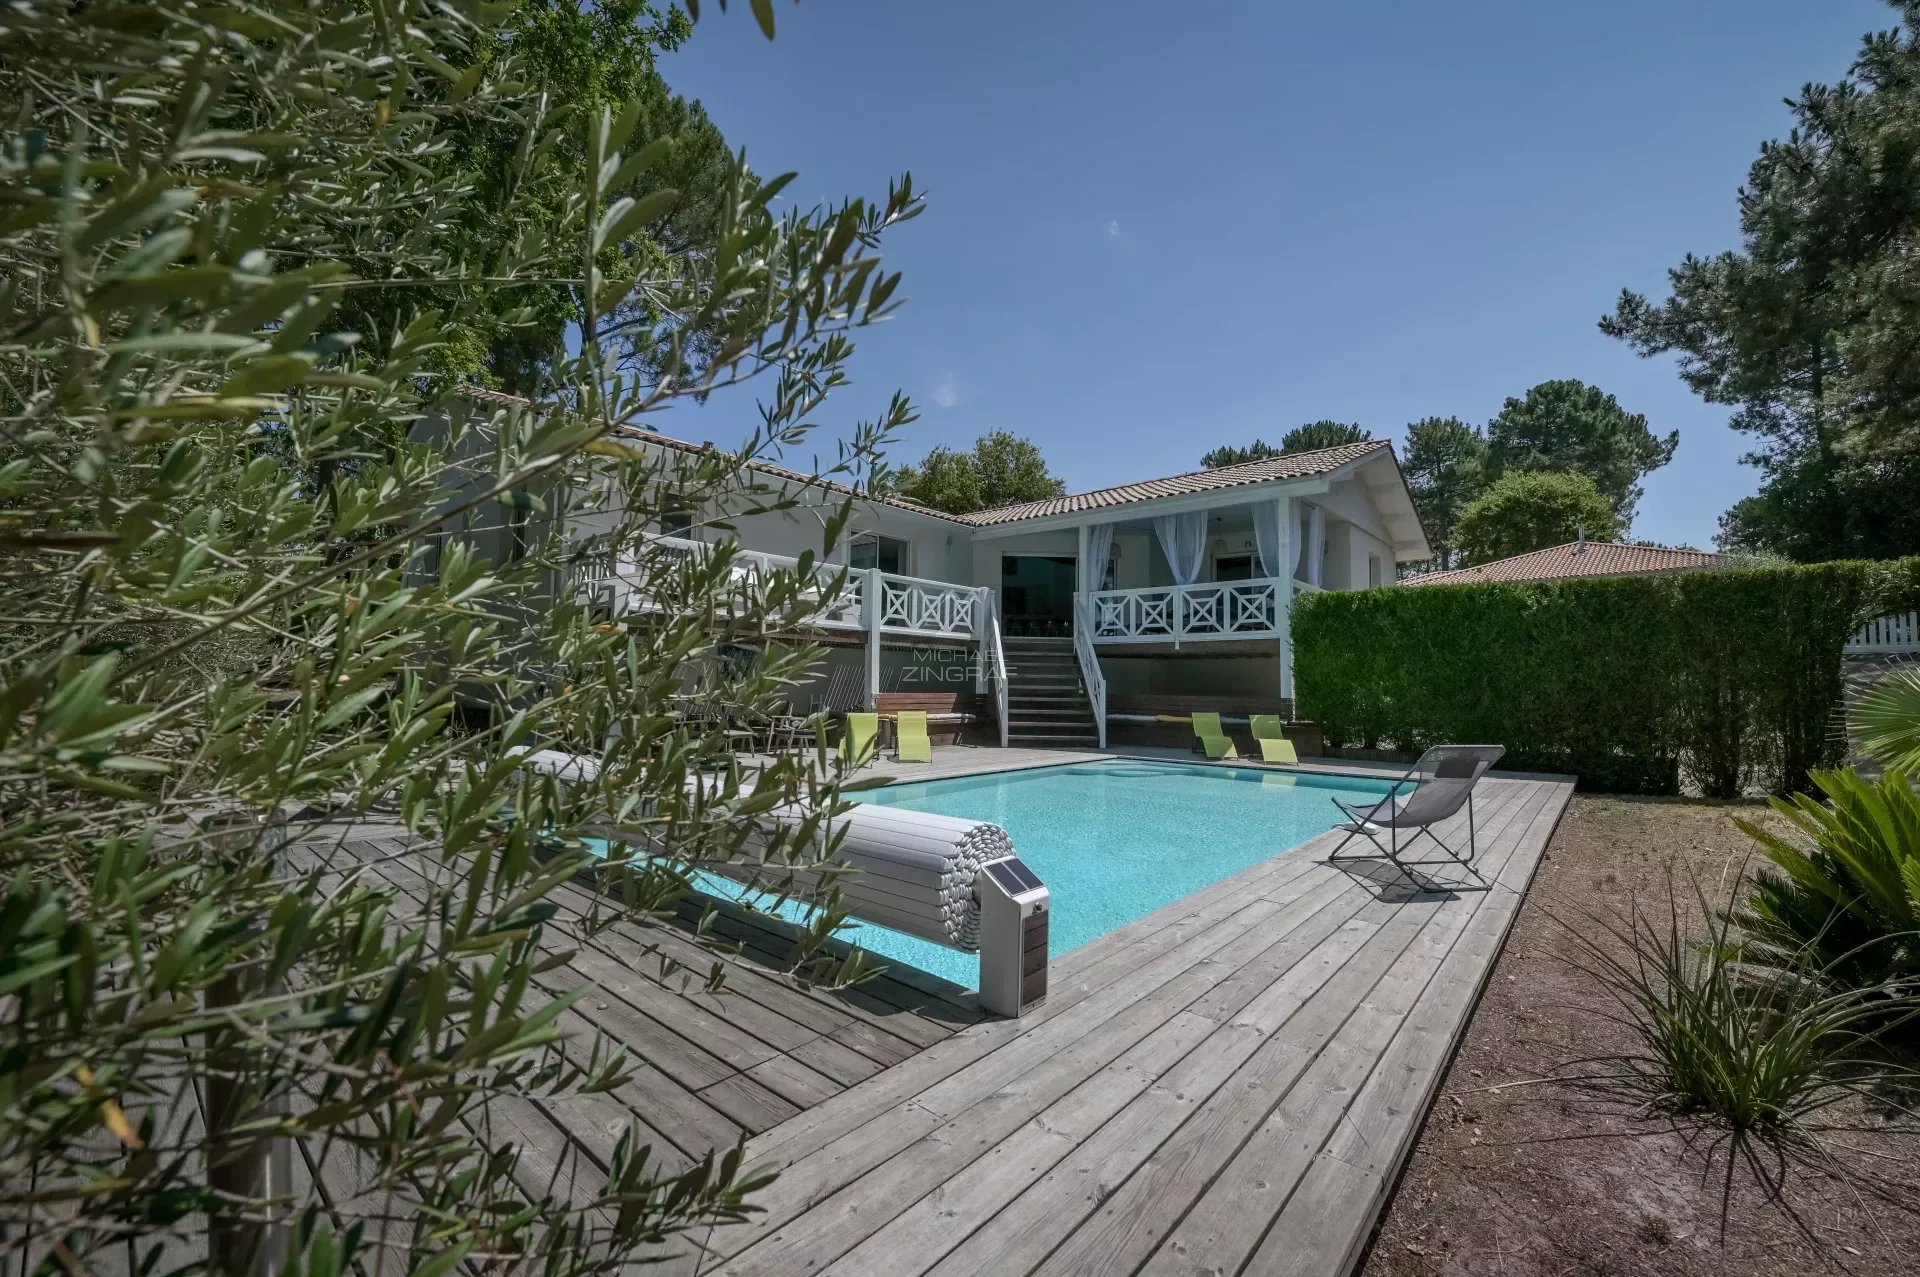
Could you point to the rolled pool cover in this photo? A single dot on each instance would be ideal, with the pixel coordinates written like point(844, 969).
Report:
point(916, 869)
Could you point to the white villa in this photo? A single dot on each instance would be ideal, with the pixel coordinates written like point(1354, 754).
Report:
point(1051, 621)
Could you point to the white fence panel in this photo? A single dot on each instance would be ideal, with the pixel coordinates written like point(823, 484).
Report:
point(1887, 634)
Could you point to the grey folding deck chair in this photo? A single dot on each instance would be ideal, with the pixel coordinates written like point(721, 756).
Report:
point(1443, 779)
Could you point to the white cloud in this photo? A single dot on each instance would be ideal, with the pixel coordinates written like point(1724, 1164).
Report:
point(945, 393)
point(1113, 228)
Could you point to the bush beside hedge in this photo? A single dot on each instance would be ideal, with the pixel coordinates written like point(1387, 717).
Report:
point(1730, 677)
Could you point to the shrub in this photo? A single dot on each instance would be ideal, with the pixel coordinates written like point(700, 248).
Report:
point(1758, 1055)
point(1842, 903)
point(209, 490)
point(1733, 677)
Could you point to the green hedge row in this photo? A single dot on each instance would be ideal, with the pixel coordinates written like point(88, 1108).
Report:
point(1732, 678)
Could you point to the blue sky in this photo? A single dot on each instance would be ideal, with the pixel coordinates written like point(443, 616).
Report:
point(1156, 228)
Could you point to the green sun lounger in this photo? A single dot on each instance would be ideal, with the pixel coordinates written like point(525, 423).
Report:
point(1273, 742)
point(1212, 739)
point(910, 743)
point(860, 739)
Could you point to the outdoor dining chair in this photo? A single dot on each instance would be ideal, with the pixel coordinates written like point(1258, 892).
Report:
point(1443, 782)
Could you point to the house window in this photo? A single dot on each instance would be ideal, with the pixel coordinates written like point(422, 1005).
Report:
point(676, 523)
point(1376, 572)
point(1233, 567)
point(889, 554)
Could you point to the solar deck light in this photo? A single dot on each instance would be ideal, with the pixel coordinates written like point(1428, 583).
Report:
point(1014, 907)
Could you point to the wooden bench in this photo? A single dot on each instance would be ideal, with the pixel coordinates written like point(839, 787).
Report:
point(1142, 720)
point(953, 718)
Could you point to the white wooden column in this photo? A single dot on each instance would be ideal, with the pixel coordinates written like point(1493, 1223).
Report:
point(982, 624)
point(1283, 605)
point(874, 602)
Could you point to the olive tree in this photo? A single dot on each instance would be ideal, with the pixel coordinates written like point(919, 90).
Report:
point(250, 594)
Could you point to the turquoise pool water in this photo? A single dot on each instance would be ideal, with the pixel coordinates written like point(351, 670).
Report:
point(1116, 839)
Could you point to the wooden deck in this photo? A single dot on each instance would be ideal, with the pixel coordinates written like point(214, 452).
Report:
point(1228, 1085)
point(713, 1068)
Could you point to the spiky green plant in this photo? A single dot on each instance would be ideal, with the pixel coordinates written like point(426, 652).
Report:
point(1757, 1054)
point(1842, 898)
point(1888, 721)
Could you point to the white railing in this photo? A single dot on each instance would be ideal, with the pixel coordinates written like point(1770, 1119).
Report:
point(996, 660)
point(1204, 610)
point(594, 569)
point(913, 605)
point(1090, 674)
point(1887, 634)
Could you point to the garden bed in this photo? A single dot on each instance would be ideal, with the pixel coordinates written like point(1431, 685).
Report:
point(1549, 1179)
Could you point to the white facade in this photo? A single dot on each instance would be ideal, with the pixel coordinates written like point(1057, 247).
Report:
point(1247, 542)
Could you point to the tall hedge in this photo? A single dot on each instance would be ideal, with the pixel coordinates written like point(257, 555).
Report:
point(1730, 678)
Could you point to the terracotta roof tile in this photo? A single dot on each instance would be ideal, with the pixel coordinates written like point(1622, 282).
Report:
point(1293, 465)
point(764, 467)
point(1591, 558)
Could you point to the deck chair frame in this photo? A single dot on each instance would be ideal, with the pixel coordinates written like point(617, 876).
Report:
point(1366, 821)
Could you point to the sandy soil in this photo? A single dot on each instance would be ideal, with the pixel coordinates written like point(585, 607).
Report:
point(1552, 1179)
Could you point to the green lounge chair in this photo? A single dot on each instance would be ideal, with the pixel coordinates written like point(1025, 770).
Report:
point(860, 739)
point(910, 743)
point(1273, 742)
point(1206, 727)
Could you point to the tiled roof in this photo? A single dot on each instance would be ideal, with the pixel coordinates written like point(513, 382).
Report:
point(764, 467)
point(1590, 558)
point(1293, 465)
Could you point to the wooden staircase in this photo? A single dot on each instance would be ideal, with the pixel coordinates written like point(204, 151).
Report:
point(1047, 706)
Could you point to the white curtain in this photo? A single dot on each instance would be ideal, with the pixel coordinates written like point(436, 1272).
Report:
point(1317, 545)
point(1299, 540)
point(1266, 537)
point(1099, 550)
point(1183, 539)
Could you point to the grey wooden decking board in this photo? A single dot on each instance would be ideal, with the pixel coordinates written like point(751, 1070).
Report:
point(1330, 1215)
point(822, 1125)
point(624, 1005)
point(744, 1101)
point(826, 1012)
point(1229, 1220)
point(745, 985)
point(835, 1059)
point(887, 1129)
point(992, 1109)
point(1157, 931)
point(886, 1003)
point(630, 1006)
point(594, 1122)
point(862, 1205)
point(1003, 1133)
point(1135, 1219)
point(672, 1116)
point(920, 1236)
point(1022, 1234)
point(734, 1048)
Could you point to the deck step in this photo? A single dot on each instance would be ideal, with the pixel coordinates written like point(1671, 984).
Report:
point(1047, 703)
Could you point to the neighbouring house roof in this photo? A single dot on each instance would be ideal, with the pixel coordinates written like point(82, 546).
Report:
point(1293, 465)
point(1576, 558)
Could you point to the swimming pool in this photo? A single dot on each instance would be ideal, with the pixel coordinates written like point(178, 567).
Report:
point(1118, 838)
